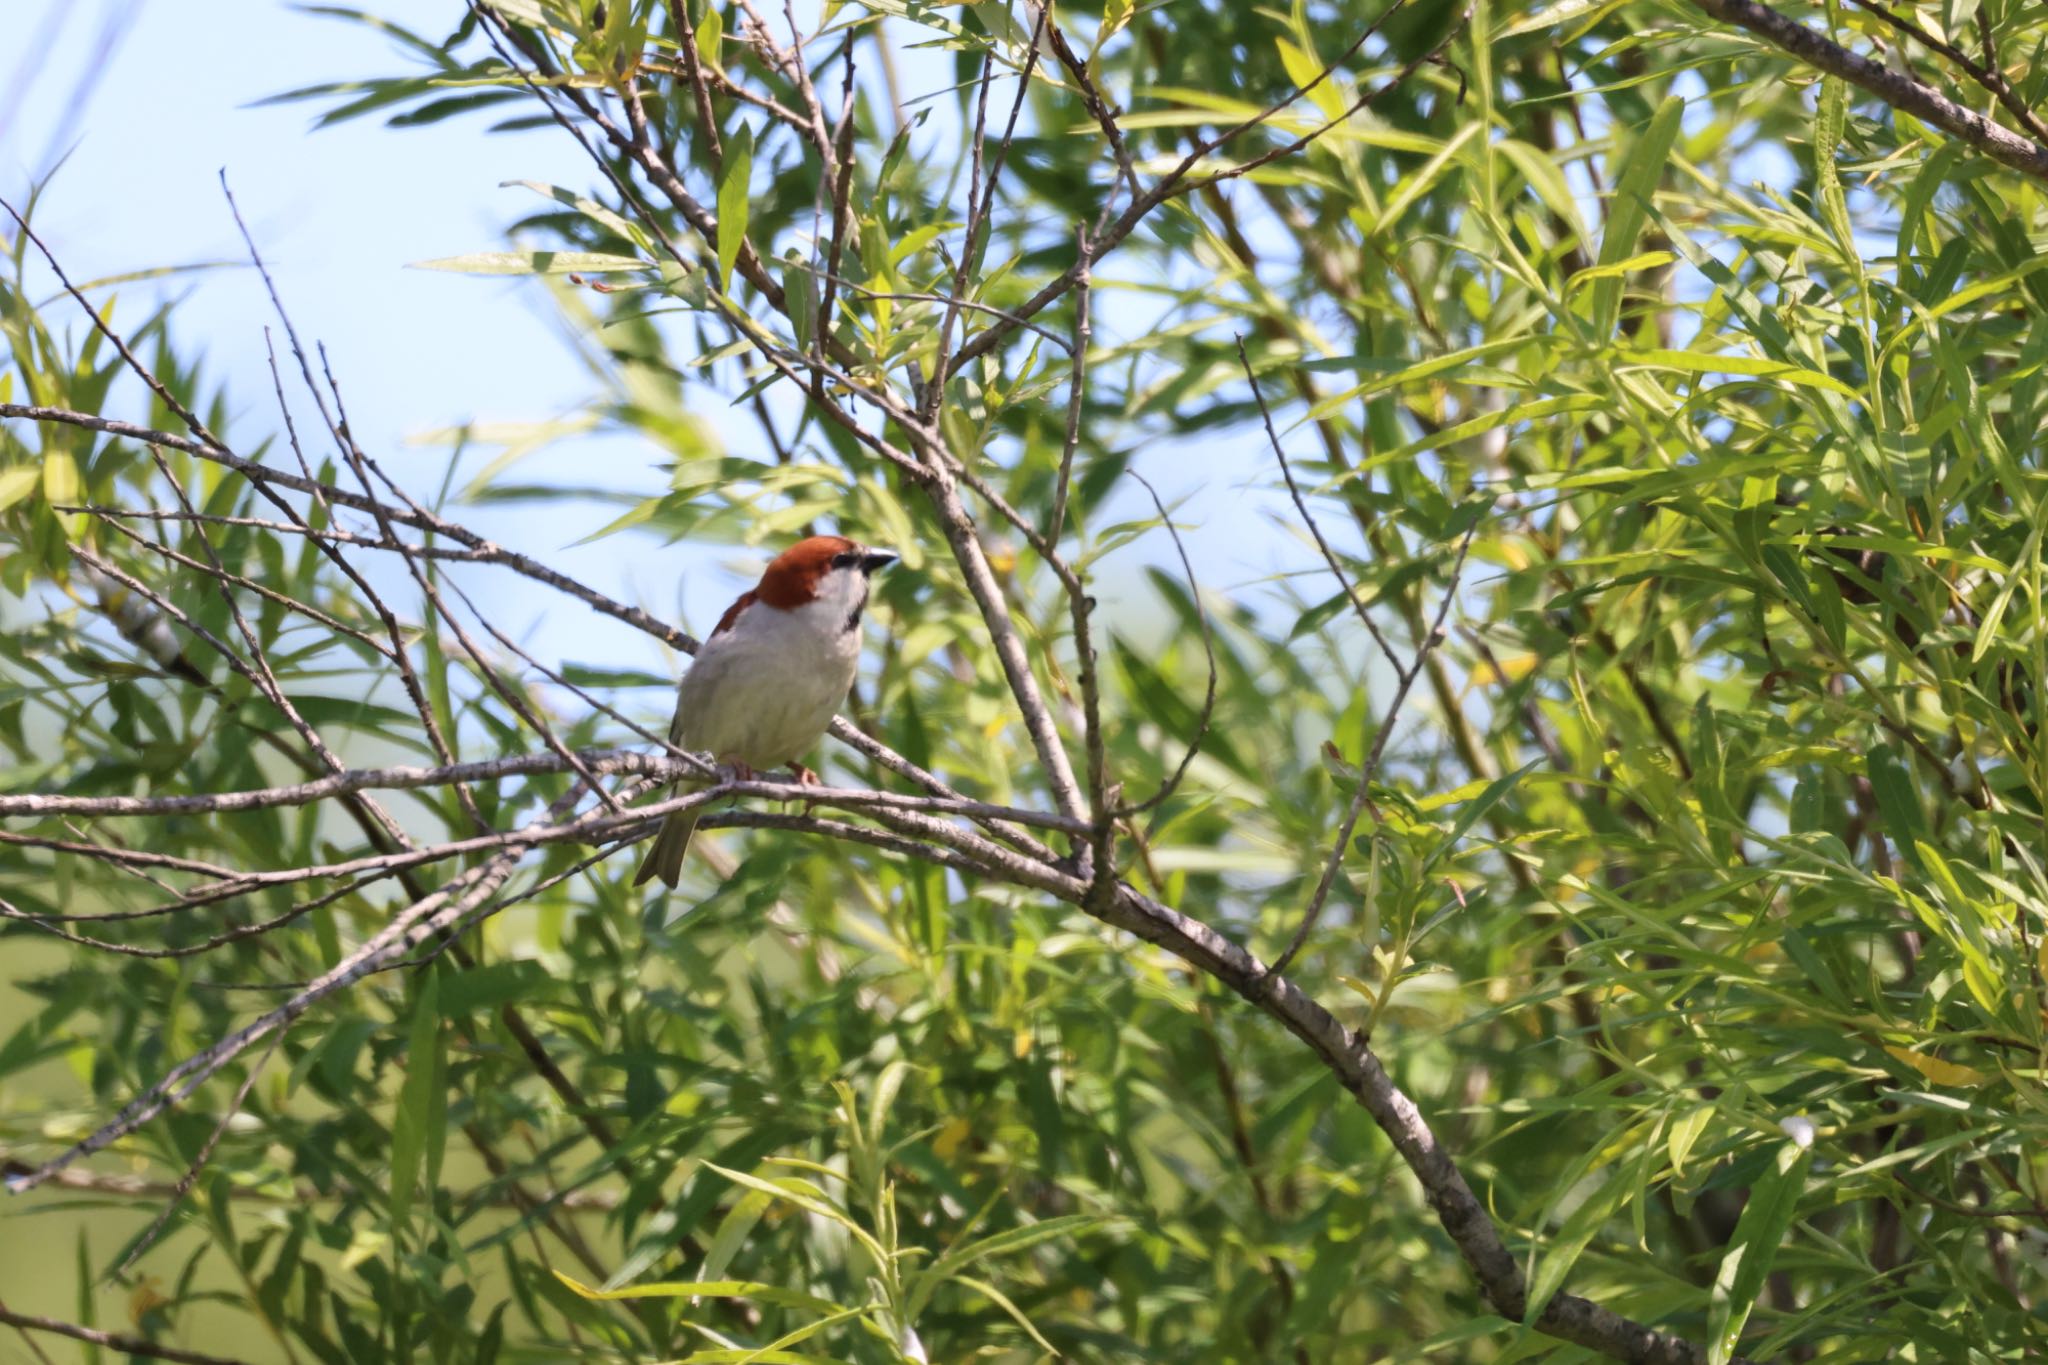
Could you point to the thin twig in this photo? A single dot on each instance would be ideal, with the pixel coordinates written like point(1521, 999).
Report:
point(1077, 389)
point(693, 69)
point(1351, 594)
point(1172, 783)
point(1098, 107)
point(1404, 676)
point(198, 1163)
point(1369, 769)
point(981, 193)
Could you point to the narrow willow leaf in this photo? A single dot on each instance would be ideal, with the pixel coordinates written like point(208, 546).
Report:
point(1424, 179)
point(1830, 114)
point(1469, 814)
point(733, 201)
point(1014, 1240)
point(711, 37)
point(589, 208)
point(419, 1100)
point(1563, 1250)
point(61, 487)
point(1679, 1140)
point(1648, 260)
point(806, 1196)
point(1773, 1201)
point(707, 1289)
point(16, 484)
point(1630, 207)
point(1698, 362)
point(1987, 630)
point(1936, 1070)
point(1547, 180)
point(1897, 800)
point(996, 1297)
point(1421, 369)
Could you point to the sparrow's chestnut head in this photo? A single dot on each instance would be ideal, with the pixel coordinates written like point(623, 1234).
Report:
point(830, 572)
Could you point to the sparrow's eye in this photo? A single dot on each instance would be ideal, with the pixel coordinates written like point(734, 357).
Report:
point(845, 561)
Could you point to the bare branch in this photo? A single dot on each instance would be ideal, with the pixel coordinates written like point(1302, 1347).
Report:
point(981, 194)
point(1985, 73)
point(113, 1341)
point(185, 1182)
point(597, 761)
point(1900, 91)
point(1096, 104)
point(693, 69)
point(1350, 1058)
point(441, 910)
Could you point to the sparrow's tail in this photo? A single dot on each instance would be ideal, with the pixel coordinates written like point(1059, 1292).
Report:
point(671, 846)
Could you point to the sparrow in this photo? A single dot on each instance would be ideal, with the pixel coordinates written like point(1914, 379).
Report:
point(765, 684)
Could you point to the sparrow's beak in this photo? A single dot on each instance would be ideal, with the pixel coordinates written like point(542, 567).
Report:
point(876, 559)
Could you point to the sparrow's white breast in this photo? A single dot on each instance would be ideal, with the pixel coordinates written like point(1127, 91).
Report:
point(763, 691)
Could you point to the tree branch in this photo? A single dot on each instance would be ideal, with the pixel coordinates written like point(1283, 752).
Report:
point(113, 1341)
point(1900, 91)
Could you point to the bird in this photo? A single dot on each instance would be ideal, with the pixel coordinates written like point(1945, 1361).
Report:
point(767, 681)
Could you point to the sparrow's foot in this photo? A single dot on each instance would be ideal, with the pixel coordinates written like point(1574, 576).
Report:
point(805, 777)
point(741, 772)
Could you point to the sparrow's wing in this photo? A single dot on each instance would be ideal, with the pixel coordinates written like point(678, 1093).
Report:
point(675, 725)
point(695, 725)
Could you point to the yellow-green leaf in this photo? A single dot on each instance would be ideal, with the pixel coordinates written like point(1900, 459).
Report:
point(1630, 208)
point(1936, 1070)
point(733, 202)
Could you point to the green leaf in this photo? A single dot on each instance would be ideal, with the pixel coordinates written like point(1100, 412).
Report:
point(1563, 1250)
point(733, 201)
point(707, 1289)
point(1629, 209)
point(418, 1126)
point(1418, 370)
point(1013, 1240)
point(1897, 800)
point(1830, 114)
point(61, 486)
point(1698, 362)
point(1773, 1202)
point(807, 1197)
point(710, 36)
point(589, 208)
point(1425, 177)
point(489, 986)
point(1469, 814)
point(1987, 629)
